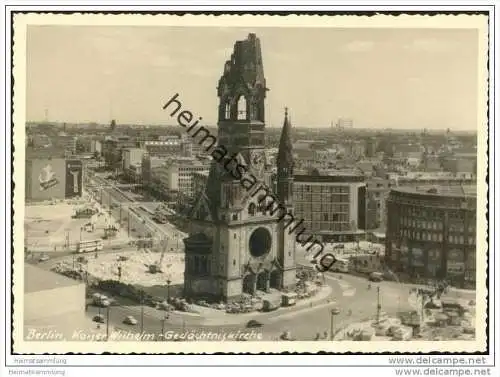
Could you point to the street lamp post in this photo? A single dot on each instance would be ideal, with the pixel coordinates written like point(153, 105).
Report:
point(107, 323)
point(164, 319)
point(168, 291)
point(332, 325)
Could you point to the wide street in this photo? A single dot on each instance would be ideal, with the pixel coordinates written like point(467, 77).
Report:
point(350, 294)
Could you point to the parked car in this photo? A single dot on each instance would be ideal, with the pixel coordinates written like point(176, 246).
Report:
point(253, 324)
point(98, 318)
point(164, 305)
point(130, 320)
point(376, 277)
point(433, 304)
point(43, 258)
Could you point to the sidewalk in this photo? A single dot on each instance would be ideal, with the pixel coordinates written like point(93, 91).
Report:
point(213, 317)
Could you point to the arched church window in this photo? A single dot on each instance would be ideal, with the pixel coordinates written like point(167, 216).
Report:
point(242, 108)
point(227, 111)
point(255, 111)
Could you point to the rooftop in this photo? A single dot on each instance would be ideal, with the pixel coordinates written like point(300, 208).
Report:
point(460, 191)
point(37, 279)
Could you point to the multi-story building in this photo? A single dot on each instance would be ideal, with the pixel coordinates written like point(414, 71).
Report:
point(148, 165)
point(370, 147)
point(199, 182)
point(331, 205)
point(112, 150)
point(96, 146)
point(169, 147)
point(40, 141)
point(131, 156)
point(377, 193)
point(431, 233)
point(355, 149)
point(175, 178)
point(344, 123)
point(67, 143)
point(456, 165)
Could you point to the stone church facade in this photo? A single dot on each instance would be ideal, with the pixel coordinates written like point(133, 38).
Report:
point(236, 244)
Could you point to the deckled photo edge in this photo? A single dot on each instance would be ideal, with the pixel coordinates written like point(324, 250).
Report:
point(19, 69)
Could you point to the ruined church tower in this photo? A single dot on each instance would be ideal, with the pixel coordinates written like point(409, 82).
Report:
point(233, 245)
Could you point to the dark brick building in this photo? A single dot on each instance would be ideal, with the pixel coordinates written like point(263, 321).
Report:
point(431, 233)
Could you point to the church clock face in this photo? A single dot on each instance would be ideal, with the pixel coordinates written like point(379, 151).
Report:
point(257, 161)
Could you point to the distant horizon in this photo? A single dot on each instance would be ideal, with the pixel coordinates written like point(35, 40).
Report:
point(380, 78)
point(310, 127)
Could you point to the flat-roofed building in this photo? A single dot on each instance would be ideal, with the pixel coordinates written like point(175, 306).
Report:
point(331, 204)
point(431, 233)
point(54, 308)
point(175, 178)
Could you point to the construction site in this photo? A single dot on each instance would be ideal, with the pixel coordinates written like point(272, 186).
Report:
point(145, 267)
point(61, 226)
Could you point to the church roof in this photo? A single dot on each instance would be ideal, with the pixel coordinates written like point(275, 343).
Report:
point(285, 155)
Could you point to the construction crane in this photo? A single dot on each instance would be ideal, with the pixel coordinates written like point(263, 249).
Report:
point(156, 267)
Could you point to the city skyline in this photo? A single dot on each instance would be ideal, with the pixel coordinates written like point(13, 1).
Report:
point(424, 78)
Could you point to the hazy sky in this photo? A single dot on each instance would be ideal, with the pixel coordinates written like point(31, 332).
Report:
point(397, 78)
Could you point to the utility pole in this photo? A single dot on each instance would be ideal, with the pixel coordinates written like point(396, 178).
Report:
point(142, 311)
point(107, 323)
point(378, 305)
point(66, 239)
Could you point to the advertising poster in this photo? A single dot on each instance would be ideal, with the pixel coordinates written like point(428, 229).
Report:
point(48, 179)
point(74, 178)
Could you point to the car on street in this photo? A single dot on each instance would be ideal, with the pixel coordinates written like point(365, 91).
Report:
point(253, 324)
point(43, 258)
point(130, 320)
point(376, 277)
point(98, 318)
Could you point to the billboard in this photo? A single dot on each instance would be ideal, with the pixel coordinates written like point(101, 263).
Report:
point(74, 178)
point(48, 176)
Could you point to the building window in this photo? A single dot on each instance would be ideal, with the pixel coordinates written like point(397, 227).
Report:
point(235, 216)
point(242, 108)
point(234, 262)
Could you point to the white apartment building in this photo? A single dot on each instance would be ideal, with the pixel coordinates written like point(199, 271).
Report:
point(175, 177)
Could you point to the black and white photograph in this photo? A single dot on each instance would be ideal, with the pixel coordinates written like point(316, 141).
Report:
point(250, 184)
